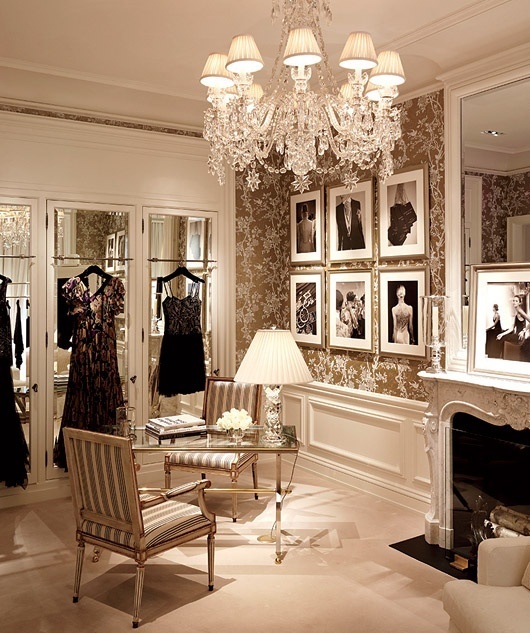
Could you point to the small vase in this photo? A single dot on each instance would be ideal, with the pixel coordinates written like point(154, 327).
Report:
point(236, 436)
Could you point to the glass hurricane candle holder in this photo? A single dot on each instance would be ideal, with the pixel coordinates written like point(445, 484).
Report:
point(434, 325)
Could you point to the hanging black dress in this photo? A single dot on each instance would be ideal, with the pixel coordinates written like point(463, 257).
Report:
point(181, 365)
point(94, 388)
point(14, 453)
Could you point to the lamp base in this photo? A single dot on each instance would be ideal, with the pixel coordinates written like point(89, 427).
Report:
point(273, 409)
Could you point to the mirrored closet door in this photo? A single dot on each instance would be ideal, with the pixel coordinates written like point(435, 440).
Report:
point(180, 266)
point(18, 434)
point(88, 309)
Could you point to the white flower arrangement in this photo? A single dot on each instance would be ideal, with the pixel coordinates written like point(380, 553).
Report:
point(235, 419)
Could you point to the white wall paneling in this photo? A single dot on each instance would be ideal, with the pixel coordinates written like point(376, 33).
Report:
point(370, 441)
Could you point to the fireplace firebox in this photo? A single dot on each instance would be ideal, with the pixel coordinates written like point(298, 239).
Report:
point(490, 467)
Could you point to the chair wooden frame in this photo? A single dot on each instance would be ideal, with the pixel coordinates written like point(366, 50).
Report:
point(111, 513)
point(217, 463)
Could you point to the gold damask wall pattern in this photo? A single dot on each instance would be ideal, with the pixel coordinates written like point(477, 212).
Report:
point(263, 256)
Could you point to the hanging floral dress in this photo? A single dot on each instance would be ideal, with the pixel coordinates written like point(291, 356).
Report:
point(94, 388)
point(14, 453)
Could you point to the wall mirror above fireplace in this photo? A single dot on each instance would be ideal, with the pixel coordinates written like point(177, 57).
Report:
point(488, 171)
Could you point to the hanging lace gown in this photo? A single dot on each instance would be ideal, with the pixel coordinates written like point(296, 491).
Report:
point(94, 388)
point(181, 365)
point(14, 453)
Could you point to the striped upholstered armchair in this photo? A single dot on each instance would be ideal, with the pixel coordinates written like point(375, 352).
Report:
point(220, 395)
point(111, 513)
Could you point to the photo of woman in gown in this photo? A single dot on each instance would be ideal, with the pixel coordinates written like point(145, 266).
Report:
point(493, 344)
point(402, 318)
point(519, 333)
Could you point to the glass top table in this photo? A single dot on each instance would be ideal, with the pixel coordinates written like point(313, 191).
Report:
point(212, 440)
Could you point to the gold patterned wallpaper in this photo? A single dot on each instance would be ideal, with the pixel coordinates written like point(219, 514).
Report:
point(263, 260)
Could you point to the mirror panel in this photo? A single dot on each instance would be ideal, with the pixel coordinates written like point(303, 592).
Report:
point(177, 240)
point(15, 265)
point(496, 166)
point(82, 237)
point(470, 94)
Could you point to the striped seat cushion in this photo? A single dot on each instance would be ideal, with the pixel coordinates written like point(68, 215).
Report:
point(162, 523)
point(219, 461)
point(225, 395)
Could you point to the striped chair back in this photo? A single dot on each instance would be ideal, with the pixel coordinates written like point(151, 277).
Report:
point(104, 485)
point(223, 394)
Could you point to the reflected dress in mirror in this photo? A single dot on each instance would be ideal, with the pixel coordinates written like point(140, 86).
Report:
point(181, 365)
point(94, 387)
point(14, 453)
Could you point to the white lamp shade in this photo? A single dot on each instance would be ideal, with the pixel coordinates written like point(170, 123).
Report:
point(302, 48)
point(273, 358)
point(389, 70)
point(214, 74)
point(358, 52)
point(244, 55)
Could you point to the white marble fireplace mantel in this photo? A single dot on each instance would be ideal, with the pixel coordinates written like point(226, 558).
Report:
point(493, 400)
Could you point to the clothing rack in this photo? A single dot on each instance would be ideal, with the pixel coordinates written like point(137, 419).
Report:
point(18, 297)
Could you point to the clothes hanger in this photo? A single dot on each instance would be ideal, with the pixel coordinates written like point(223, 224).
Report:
point(95, 269)
point(181, 270)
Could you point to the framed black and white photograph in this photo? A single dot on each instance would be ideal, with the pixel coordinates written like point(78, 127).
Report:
point(307, 227)
point(121, 251)
point(350, 309)
point(307, 308)
point(195, 245)
point(400, 323)
point(404, 214)
point(499, 330)
point(350, 223)
point(110, 253)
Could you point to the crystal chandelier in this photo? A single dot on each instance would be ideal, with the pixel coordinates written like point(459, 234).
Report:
point(292, 125)
point(14, 226)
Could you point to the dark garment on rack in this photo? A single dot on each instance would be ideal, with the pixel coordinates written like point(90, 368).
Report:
point(65, 320)
point(94, 388)
point(17, 338)
point(27, 324)
point(14, 453)
point(181, 365)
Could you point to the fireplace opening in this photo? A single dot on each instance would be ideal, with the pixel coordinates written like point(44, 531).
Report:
point(490, 468)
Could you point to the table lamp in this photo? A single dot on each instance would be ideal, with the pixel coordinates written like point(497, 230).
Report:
point(273, 359)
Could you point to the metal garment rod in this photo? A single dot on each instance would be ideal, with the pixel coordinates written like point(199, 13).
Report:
point(17, 256)
point(62, 258)
point(183, 261)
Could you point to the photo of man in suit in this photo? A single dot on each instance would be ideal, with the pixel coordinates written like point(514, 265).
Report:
point(350, 234)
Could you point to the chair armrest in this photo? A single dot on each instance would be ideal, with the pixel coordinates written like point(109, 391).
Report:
point(189, 487)
point(162, 497)
point(502, 561)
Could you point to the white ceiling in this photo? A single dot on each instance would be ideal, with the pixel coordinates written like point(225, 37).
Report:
point(143, 58)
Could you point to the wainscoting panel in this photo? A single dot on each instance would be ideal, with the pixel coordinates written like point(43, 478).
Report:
point(372, 442)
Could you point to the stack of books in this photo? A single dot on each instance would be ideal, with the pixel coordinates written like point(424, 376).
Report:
point(174, 426)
